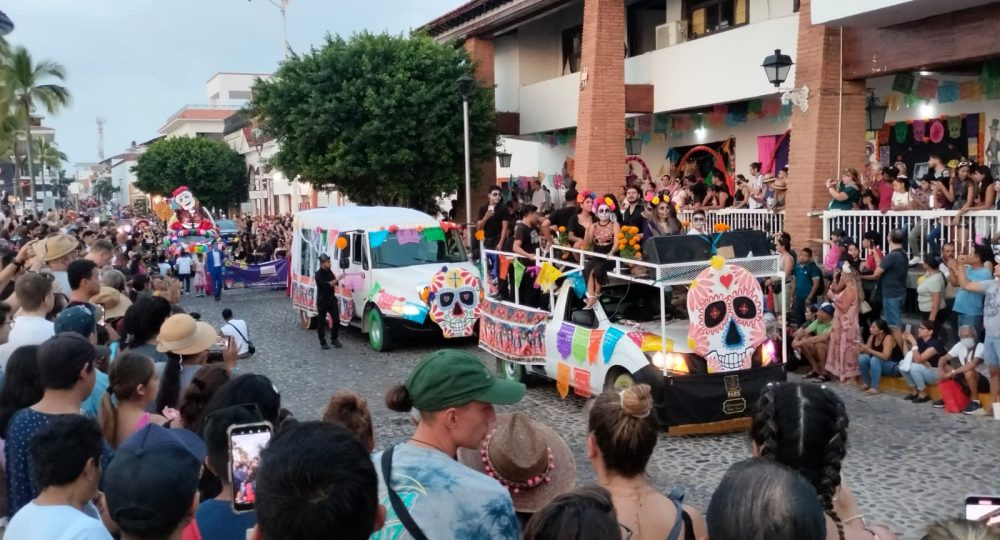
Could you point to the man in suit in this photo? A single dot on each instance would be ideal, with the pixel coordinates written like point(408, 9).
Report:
point(215, 265)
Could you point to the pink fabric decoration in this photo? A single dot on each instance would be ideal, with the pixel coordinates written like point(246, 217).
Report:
point(407, 236)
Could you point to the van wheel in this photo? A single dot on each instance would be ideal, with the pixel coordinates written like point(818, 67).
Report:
point(511, 371)
point(306, 321)
point(619, 380)
point(378, 335)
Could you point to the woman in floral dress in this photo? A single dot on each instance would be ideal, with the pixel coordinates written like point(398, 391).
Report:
point(842, 354)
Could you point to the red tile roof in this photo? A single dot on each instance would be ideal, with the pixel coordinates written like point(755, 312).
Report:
point(204, 114)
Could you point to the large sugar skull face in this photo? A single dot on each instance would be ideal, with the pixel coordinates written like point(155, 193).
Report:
point(185, 199)
point(726, 309)
point(453, 301)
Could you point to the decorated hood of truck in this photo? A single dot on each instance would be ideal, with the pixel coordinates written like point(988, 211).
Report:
point(448, 294)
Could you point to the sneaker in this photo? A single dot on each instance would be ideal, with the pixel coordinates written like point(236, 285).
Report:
point(924, 399)
point(938, 404)
point(325, 347)
point(337, 344)
point(915, 261)
point(974, 409)
point(910, 397)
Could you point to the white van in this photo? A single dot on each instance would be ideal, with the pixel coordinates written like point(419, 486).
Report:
point(400, 271)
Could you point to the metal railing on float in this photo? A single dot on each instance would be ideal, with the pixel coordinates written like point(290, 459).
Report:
point(769, 221)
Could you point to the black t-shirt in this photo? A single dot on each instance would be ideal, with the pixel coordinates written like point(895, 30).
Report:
point(529, 240)
point(324, 289)
point(699, 191)
point(564, 216)
point(633, 216)
point(493, 226)
point(935, 344)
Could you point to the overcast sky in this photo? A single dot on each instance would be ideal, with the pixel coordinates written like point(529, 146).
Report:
point(136, 62)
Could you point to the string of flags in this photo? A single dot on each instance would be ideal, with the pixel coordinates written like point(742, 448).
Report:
point(909, 89)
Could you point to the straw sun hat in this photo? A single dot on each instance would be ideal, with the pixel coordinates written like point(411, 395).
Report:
point(58, 246)
point(181, 334)
point(527, 458)
point(114, 303)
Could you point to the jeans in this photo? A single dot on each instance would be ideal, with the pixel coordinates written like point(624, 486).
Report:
point(892, 310)
point(934, 240)
point(872, 368)
point(919, 376)
point(186, 279)
point(217, 284)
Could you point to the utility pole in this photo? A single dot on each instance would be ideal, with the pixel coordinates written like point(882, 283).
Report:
point(100, 139)
point(282, 5)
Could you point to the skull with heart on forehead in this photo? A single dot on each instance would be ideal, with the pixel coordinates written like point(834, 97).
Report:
point(454, 301)
point(725, 307)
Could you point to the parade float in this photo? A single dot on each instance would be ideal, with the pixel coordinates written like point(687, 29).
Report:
point(706, 364)
point(401, 272)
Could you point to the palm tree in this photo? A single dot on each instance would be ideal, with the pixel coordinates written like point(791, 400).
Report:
point(48, 156)
point(29, 88)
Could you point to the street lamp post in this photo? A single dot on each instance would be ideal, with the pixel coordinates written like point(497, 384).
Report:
point(282, 5)
point(466, 85)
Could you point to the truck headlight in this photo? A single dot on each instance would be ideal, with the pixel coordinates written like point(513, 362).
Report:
point(673, 363)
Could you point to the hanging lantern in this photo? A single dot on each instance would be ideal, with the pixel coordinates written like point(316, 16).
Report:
point(777, 66)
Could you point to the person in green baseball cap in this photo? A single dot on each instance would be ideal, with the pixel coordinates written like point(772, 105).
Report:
point(427, 492)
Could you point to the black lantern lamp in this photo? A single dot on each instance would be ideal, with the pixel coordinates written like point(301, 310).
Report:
point(874, 112)
point(633, 145)
point(504, 158)
point(465, 86)
point(777, 66)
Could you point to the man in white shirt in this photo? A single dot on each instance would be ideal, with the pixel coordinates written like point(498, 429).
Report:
point(34, 294)
point(65, 457)
point(183, 267)
point(238, 330)
point(539, 197)
point(757, 194)
point(699, 224)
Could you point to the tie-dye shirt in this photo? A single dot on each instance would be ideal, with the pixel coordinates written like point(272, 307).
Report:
point(446, 499)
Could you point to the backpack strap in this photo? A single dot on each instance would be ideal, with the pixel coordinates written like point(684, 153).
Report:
point(398, 507)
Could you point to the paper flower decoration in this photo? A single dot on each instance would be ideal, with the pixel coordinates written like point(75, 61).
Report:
point(480, 235)
point(342, 243)
point(649, 197)
point(655, 201)
point(721, 227)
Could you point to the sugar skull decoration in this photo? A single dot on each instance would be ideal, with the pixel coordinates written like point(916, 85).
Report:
point(726, 308)
point(954, 127)
point(454, 301)
point(188, 213)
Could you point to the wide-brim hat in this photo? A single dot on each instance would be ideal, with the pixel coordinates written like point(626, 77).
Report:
point(528, 458)
point(114, 302)
point(181, 334)
point(58, 246)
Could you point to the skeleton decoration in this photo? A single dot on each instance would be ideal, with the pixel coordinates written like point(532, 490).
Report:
point(188, 213)
point(726, 308)
point(454, 301)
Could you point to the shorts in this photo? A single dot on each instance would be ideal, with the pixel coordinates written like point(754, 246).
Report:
point(892, 311)
point(991, 352)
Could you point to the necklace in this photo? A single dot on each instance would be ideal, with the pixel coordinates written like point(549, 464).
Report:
point(425, 443)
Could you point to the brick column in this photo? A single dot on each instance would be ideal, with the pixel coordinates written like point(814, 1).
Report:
point(481, 51)
point(600, 133)
point(813, 150)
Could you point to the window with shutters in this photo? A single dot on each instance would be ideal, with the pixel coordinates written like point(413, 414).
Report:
point(711, 16)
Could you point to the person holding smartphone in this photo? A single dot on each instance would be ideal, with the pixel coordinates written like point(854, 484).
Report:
point(217, 518)
point(493, 220)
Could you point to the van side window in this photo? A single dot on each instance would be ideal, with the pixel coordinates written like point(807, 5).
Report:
point(358, 254)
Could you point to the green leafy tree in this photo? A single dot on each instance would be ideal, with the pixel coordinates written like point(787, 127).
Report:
point(48, 156)
point(29, 88)
point(210, 168)
point(104, 189)
point(377, 117)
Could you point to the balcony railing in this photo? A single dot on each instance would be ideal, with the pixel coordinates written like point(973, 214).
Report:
point(921, 226)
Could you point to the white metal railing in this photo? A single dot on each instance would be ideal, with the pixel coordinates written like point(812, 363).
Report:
point(769, 221)
point(939, 226)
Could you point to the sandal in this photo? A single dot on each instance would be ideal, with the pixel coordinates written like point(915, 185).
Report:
point(872, 391)
point(810, 375)
point(863, 387)
point(824, 378)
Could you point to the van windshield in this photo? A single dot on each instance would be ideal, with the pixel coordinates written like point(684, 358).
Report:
point(426, 249)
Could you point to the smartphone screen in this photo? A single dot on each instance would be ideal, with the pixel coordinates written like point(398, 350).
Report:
point(909, 328)
point(245, 444)
point(980, 508)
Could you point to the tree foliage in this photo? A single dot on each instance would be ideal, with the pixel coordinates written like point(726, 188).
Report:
point(377, 117)
point(212, 170)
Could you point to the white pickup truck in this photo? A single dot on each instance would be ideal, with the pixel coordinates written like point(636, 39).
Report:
point(706, 366)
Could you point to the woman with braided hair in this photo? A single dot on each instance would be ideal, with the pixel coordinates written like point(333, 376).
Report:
point(804, 427)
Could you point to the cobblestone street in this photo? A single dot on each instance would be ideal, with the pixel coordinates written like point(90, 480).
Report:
point(907, 464)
